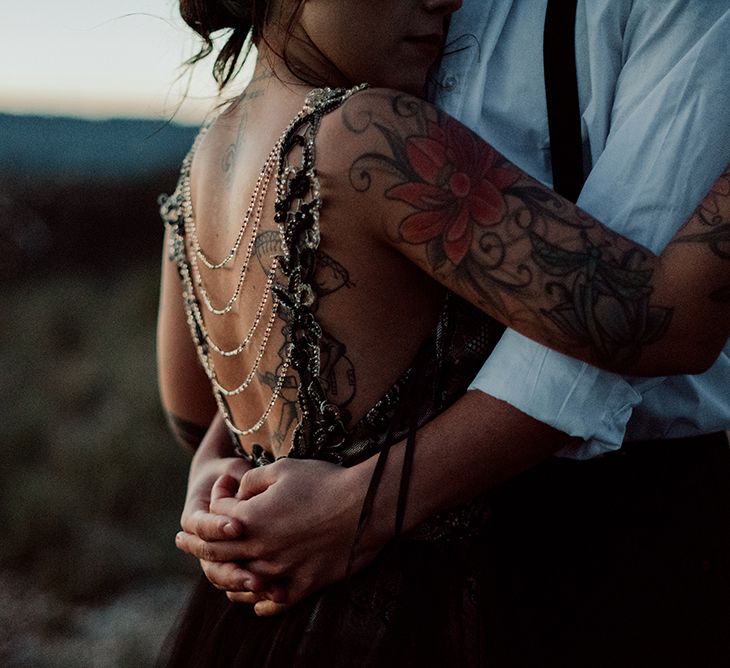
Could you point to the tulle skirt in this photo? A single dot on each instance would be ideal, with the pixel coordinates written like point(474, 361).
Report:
point(421, 603)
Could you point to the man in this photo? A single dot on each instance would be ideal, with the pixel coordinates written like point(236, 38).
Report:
point(620, 560)
point(653, 81)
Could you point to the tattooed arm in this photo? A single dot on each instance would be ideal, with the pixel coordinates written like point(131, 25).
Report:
point(528, 257)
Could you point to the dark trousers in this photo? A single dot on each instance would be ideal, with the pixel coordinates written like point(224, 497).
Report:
point(621, 561)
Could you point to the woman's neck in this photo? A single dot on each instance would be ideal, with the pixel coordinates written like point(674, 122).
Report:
point(296, 61)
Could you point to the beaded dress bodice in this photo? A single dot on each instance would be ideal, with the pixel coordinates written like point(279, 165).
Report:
point(445, 364)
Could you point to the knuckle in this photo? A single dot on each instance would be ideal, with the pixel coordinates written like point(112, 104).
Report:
point(256, 550)
point(207, 553)
point(276, 569)
point(213, 578)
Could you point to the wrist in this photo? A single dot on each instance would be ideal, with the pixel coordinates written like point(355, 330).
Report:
point(380, 527)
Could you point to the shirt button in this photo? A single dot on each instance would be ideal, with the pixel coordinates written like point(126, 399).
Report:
point(450, 82)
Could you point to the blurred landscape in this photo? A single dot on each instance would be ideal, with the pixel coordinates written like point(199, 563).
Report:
point(91, 484)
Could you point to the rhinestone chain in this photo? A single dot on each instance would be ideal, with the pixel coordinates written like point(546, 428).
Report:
point(190, 274)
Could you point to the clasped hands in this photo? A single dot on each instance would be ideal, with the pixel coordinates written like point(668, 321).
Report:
point(270, 536)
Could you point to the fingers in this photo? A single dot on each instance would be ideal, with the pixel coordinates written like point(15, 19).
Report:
point(223, 502)
point(248, 597)
point(243, 586)
point(233, 577)
point(225, 487)
point(266, 608)
point(273, 596)
point(226, 505)
point(211, 526)
point(230, 550)
point(264, 603)
point(255, 481)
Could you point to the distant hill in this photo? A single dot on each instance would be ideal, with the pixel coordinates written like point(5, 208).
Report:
point(81, 195)
point(75, 149)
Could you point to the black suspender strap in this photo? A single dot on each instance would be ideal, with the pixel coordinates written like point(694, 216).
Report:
point(561, 91)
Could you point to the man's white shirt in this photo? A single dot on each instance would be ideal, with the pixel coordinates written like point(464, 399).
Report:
point(654, 85)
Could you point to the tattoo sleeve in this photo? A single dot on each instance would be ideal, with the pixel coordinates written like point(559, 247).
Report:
point(709, 228)
point(516, 249)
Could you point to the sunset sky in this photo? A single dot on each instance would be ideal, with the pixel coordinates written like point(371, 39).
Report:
point(98, 58)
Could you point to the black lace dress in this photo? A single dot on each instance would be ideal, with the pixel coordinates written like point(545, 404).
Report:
point(420, 602)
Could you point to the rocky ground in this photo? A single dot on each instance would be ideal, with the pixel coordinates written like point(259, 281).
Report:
point(40, 630)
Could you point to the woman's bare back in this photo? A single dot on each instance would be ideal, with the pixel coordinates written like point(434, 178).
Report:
point(374, 306)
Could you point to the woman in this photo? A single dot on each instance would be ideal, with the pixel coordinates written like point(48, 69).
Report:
point(409, 197)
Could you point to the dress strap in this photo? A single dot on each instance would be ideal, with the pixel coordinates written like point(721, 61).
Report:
point(320, 433)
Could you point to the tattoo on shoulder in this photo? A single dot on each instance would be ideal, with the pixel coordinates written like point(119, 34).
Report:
point(228, 159)
point(256, 88)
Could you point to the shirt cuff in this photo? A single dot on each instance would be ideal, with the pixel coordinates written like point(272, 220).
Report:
point(567, 394)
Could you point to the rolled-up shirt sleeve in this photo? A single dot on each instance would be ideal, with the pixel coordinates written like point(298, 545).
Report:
point(572, 396)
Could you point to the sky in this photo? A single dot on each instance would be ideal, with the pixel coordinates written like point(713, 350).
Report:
point(99, 59)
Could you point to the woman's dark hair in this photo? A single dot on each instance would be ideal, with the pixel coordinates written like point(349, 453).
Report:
point(237, 18)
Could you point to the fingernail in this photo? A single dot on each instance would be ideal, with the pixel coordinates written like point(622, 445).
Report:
point(230, 530)
point(178, 536)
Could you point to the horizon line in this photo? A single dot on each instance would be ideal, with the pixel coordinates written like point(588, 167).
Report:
point(190, 111)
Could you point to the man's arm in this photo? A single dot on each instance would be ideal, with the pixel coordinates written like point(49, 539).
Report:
point(654, 93)
point(425, 185)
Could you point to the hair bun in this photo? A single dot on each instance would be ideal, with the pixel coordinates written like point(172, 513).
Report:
point(208, 16)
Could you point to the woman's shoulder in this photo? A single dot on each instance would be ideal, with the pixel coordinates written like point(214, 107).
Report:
point(372, 138)
point(372, 115)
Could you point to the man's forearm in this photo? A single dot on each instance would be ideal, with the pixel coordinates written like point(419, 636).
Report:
point(472, 447)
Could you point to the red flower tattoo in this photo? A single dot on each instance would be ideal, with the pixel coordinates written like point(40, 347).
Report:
point(458, 185)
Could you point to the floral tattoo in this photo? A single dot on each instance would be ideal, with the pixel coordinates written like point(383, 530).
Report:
point(716, 235)
point(523, 251)
point(456, 187)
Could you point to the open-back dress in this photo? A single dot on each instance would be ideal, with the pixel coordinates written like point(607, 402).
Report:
point(568, 564)
point(418, 603)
